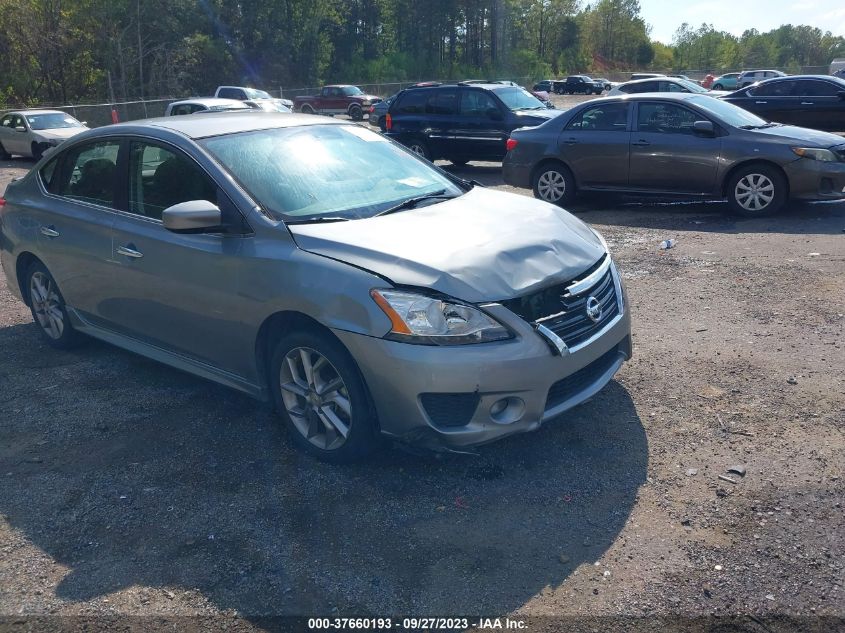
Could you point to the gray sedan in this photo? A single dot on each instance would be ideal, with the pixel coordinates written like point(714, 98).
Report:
point(318, 265)
point(32, 132)
point(684, 144)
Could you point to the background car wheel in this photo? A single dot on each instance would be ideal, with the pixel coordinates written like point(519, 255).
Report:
point(356, 113)
point(380, 122)
point(37, 150)
point(757, 190)
point(307, 109)
point(48, 308)
point(4, 155)
point(553, 182)
point(419, 148)
point(718, 87)
point(322, 398)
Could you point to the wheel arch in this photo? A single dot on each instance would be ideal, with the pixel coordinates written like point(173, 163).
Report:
point(747, 163)
point(23, 263)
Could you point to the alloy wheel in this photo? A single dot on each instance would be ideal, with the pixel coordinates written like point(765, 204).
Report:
point(551, 185)
point(418, 149)
point(754, 192)
point(316, 398)
point(47, 305)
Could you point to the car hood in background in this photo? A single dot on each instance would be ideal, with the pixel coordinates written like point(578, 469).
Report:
point(482, 246)
point(527, 118)
point(60, 133)
point(802, 135)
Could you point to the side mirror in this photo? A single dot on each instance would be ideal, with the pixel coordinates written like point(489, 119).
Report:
point(193, 216)
point(704, 128)
point(494, 114)
point(20, 128)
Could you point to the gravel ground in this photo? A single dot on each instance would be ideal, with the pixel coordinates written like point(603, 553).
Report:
point(131, 489)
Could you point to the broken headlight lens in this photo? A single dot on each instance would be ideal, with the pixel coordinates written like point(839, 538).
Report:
point(418, 318)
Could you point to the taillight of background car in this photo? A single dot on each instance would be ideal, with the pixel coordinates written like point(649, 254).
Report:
point(511, 144)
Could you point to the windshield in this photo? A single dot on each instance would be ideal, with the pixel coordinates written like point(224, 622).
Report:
point(519, 99)
point(51, 121)
point(351, 91)
point(252, 93)
point(727, 112)
point(691, 86)
point(328, 172)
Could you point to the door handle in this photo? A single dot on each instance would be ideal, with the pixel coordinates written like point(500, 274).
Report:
point(808, 103)
point(761, 102)
point(49, 231)
point(570, 141)
point(129, 252)
point(641, 143)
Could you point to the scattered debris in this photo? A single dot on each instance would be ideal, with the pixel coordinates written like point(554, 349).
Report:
point(691, 472)
point(792, 380)
point(770, 596)
point(170, 595)
point(746, 433)
point(563, 558)
point(726, 478)
point(667, 244)
point(704, 329)
point(718, 567)
point(738, 469)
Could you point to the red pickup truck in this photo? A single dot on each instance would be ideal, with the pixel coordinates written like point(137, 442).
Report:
point(336, 99)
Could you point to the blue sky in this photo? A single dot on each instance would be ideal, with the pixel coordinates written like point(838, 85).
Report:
point(735, 16)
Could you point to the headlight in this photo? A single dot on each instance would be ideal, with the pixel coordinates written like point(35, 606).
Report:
point(366, 102)
point(816, 154)
point(417, 318)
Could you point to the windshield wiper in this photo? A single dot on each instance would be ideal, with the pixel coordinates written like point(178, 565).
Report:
point(318, 220)
point(410, 203)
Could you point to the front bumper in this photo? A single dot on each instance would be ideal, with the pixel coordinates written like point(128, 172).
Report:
point(524, 369)
point(816, 180)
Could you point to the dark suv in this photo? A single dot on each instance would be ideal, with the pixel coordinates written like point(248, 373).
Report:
point(581, 84)
point(462, 122)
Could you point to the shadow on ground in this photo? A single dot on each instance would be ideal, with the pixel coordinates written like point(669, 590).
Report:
point(130, 473)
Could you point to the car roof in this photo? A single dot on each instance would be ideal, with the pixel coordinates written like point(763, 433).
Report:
point(217, 124)
point(827, 77)
point(660, 77)
point(649, 96)
point(209, 102)
point(35, 111)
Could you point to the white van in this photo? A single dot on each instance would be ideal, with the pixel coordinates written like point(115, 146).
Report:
point(837, 67)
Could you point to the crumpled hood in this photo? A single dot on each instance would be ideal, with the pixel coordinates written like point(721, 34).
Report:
point(485, 245)
point(803, 135)
point(59, 133)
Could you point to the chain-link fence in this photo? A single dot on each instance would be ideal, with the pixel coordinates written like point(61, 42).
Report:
point(96, 115)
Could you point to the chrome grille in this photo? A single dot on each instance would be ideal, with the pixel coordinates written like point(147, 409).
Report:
point(565, 314)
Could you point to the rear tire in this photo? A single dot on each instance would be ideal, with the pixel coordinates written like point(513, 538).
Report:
point(419, 147)
point(322, 399)
point(554, 183)
point(48, 308)
point(757, 190)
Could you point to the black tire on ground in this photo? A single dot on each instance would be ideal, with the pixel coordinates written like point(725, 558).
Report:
point(37, 150)
point(4, 155)
point(307, 109)
point(553, 182)
point(48, 308)
point(342, 427)
point(419, 147)
point(356, 113)
point(380, 122)
point(757, 190)
point(717, 87)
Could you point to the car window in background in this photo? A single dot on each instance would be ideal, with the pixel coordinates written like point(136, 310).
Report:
point(668, 86)
point(774, 89)
point(476, 103)
point(351, 91)
point(816, 88)
point(159, 178)
point(607, 117)
point(518, 99)
point(339, 172)
point(443, 101)
point(413, 102)
point(252, 93)
point(691, 86)
point(89, 173)
point(665, 118)
point(727, 112)
point(646, 86)
point(52, 121)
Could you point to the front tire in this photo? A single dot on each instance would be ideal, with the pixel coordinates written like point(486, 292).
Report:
point(307, 109)
point(37, 150)
point(4, 155)
point(718, 87)
point(757, 190)
point(356, 113)
point(48, 308)
point(321, 396)
point(553, 182)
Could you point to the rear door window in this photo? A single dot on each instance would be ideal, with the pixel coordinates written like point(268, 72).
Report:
point(815, 88)
point(443, 101)
point(89, 173)
point(774, 89)
point(413, 102)
point(607, 117)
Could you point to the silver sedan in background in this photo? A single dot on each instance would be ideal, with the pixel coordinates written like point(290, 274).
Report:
point(30, 133)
